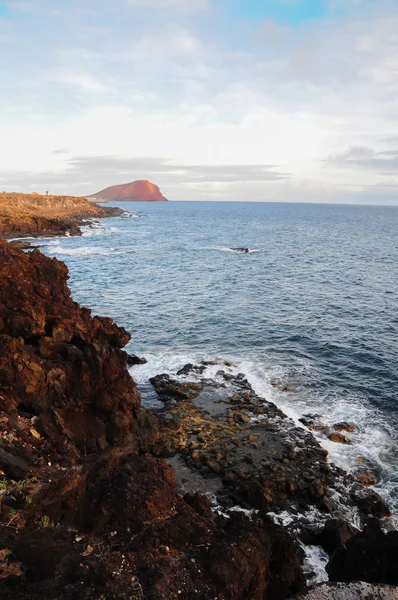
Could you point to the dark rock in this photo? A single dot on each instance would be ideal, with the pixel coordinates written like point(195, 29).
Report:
point(369, 501)
point(331, 535)
point(169, 389)
point(14, 467)
point(369, 556)
point(241, 249)
point(200, 504)
point(190, 368)
point(133, 360)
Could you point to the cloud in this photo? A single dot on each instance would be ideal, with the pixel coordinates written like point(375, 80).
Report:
point(189, 6)
point(89, 174)
point(366, 158)
point(75, 81)
point(219, 100)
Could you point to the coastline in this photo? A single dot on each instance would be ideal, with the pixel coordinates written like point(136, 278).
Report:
point(106, 513)
point(34, 215)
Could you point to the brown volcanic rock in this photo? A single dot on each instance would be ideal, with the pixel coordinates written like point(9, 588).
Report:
point(137, 191)
point(137, 533)
point(59, 363)
point(22, 214)
point(102, 518)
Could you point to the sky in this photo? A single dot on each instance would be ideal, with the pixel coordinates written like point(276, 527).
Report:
point(249, 100)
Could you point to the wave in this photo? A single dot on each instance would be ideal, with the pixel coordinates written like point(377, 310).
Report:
point(374, 443)
point(57, 249)
point(225, 249)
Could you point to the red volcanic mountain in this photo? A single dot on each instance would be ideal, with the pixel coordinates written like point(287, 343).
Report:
point(137, 191)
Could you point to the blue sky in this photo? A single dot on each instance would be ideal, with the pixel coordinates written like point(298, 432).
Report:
point(283, 12)
point(284, 100)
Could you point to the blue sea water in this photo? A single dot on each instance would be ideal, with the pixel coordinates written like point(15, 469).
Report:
point(314, 305)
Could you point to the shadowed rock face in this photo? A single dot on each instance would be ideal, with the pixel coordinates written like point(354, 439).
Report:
point(137, 191)
point(369, 556)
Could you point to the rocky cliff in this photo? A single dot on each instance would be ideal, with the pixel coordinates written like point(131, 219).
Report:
point(86, 508)
point(143, 191)
point(32, 214)
point(90, 509)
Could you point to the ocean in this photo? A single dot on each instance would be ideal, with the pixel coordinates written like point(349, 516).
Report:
point(312, 306)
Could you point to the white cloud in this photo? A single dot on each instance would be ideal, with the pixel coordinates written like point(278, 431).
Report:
point(180, 5)
point(316, 100)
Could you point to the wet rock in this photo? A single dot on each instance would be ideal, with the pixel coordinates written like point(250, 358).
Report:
point(339, 438)
point(245, 250)
point(369, 502)
point(314, 423)
point(344, 427)
point(331, 535)
point(170, 389)
point(190, 368)
point(22, 244)
point(133, 360)
point(369, 556)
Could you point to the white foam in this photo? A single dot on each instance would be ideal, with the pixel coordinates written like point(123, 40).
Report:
point(57, 249)
point(314, 564)
point(374, 440)
point(162, 362)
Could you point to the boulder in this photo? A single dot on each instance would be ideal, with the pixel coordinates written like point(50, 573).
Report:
point(169, 389)
point(369, 556)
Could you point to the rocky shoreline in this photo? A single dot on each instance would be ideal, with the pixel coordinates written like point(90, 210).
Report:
point(215, 495)
point(33, 215)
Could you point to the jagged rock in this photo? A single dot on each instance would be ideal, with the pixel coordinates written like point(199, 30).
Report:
point(369, 556)
point(170, 389)
point(331, 535)
point(58, 362)
point(133, 360)
point(369, 502)
point(102, 517)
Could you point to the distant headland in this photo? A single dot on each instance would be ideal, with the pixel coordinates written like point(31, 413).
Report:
point(136, 191)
